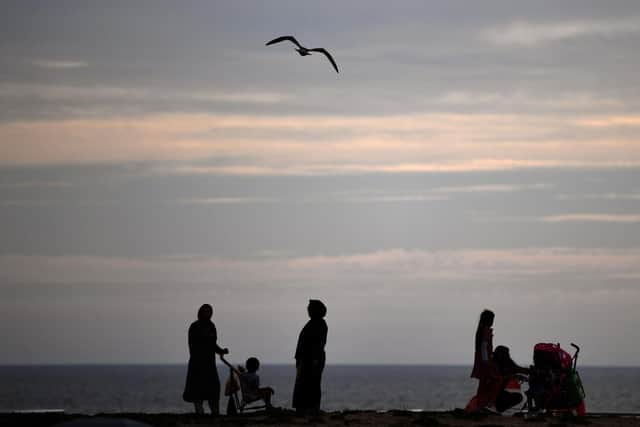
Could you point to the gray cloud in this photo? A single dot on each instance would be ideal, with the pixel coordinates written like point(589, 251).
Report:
point(35, 184)
point(59, 65)
point(523, 33)
point(601, 196)
point(592, 217)
point(407, 266)
point(224, 200)
point(271, 293)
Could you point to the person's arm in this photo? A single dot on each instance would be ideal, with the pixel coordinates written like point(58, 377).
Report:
point(484, 350)
point(486, 345)
point(301, 346)
point(233, 369)
point(221, 351)
point(216, 348)
point(319, 342)
point(190, 341)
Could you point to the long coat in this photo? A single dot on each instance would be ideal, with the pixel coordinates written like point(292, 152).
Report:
point(310, 360)
point(481, 367)
point(489, 380)
point(203, 382)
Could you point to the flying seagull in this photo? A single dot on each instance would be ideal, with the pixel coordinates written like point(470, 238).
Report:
point(303, 51)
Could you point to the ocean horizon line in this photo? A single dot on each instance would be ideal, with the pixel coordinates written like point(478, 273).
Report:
point(164, 364)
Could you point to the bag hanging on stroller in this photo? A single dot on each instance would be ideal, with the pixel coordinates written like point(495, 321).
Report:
point(554, 382)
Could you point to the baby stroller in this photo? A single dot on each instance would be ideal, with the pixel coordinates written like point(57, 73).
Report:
point(240, 400)
point(554, 382)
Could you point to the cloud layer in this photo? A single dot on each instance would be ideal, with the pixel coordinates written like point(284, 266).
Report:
point(398, 265)
point(529, 34)
point(329, 144)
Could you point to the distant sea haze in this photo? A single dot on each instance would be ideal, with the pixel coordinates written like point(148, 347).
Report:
point(91, 389)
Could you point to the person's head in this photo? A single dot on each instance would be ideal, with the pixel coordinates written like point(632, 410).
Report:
point(205, 312)
point(486, 318)
point(502, 358)
point(316, 309)
point(501, 354)
point(252, 364)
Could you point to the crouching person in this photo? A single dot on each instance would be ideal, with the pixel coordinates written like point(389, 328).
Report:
point(501, 388)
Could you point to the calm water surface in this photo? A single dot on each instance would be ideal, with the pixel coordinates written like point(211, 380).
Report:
point(158, 388)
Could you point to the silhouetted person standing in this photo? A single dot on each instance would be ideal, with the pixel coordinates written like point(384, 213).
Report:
point(310, 360)
point(483, 344)
point(483, 367)
point(202, 376)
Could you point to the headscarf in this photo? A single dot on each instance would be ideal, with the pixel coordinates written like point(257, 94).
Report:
point(317, 309)
point(205, 312)
point(486, 319)
point(503, 360)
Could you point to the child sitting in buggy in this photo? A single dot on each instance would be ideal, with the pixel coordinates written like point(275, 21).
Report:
point(250, 381)
point(246, 381)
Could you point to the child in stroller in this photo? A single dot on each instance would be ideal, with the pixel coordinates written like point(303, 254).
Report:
point(554, 382)
point(246, 382)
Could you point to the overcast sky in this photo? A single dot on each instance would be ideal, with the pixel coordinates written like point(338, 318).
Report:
point(155, 156)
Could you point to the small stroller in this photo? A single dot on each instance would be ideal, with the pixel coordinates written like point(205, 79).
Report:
point(239, 401)
point(554, 382)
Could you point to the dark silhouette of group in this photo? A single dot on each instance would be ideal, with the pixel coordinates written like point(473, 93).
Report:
point(203, 383)
point(495, 370)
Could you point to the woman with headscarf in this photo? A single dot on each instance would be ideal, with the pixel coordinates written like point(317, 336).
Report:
point(310, 360)
point(483, 344)
point(483, 368)
point(203, 382)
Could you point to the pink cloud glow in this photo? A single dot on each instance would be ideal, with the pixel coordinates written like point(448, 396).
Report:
point(402, 265)
point(327, 144)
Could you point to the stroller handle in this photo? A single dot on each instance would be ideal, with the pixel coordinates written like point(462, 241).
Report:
point(225, 361)
point(576, 347)
point(575, 355)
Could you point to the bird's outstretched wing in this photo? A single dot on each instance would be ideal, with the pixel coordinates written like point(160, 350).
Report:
point(283, 38)
point(328, 55)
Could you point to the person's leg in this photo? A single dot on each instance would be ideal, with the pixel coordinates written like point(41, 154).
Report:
point(265, 394)
point(198, 407)
point(507, 400)
point(315, 390)
point(300, 389)
point(214, 405)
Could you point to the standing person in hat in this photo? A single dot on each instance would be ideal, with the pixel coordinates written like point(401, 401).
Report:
point(310, 360)
point(203, 382)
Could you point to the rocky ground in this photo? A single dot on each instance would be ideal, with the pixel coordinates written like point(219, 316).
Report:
point(347, 418)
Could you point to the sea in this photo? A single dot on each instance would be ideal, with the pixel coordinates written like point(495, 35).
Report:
point(92, 389)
